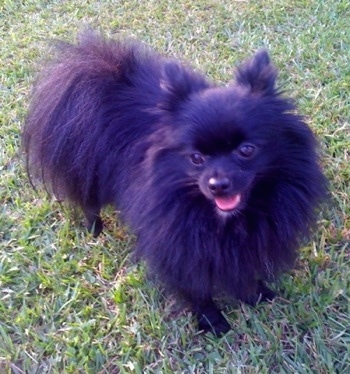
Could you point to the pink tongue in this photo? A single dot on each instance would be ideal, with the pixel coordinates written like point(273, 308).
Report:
point(228, 203)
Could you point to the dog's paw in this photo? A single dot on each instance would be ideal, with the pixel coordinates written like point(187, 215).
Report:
point(263, 293)
point(95, 226)
point(214, 322)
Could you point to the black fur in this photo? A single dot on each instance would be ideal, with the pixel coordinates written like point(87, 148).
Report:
point(219, 184)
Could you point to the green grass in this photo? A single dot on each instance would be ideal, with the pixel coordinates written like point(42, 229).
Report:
point(73, 304)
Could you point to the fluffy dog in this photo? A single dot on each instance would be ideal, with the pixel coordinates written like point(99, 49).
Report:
point(219, 184)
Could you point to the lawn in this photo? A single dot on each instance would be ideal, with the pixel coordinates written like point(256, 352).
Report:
point(70, 303)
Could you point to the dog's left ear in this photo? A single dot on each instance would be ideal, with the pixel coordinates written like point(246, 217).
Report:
point(178, 83)
point(258, 75)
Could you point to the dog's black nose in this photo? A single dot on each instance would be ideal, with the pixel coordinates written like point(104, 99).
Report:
point(219, 185)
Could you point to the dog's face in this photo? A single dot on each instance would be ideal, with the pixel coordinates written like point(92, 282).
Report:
point(228, 147)
point(226, 178)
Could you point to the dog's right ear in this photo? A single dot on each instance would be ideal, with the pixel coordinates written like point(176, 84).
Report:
point(258, 75)
point(178, 83)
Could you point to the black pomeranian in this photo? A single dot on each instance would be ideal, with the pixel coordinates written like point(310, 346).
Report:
point(218, 184)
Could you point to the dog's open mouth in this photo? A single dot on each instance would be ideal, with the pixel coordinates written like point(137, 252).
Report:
point(228, 203)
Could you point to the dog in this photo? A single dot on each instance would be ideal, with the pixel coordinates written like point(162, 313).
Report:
point(219, 184)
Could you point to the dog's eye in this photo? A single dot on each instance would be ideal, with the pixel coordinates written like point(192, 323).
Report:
point(197, 159)
point(246, 150)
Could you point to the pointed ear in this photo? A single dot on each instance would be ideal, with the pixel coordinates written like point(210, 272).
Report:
point(257, 75)
point(178, 82)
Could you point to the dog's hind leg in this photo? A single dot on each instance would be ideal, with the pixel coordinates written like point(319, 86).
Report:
point(210, 319)
point(93, 221)
point(262, 294)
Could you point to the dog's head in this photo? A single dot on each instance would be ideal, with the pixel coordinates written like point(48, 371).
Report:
point(229, 143)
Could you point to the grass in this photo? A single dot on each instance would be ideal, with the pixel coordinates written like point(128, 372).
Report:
point(73, 304)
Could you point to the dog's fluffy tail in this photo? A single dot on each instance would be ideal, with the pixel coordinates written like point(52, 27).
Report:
point(69, 110)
